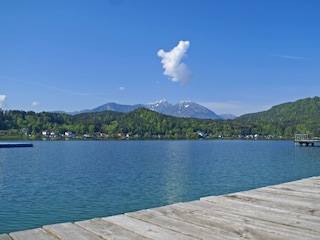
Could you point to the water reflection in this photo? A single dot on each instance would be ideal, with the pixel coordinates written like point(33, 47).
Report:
point(176, 172)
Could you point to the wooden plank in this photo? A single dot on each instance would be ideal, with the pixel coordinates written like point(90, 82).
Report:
point(292, 192)
point(37, 233)
point(287, 219)
point(176, 225)
point(146, 229)
point(292, 203)
point(221, 228)
point(249, 206)
point(5, 237)
point(231, 220)
point(306, 181)
point(280, 199)
point(220, 232)
point(272, 204)
point(313, 181)
point(301, 187)
point(70, 231)
point(235, 216)
point(108, 230)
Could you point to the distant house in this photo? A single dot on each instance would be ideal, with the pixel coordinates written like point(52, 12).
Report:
point(103, 135)
point(53, 134)
point(45, 133)
point(68, 134)
point(202, 134)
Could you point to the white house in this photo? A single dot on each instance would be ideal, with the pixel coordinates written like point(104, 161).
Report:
point(45, 133)
point(68, 134)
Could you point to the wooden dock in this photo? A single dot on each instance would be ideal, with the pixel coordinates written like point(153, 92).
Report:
point(15, 145)
point(305, 140)
point(286, 211)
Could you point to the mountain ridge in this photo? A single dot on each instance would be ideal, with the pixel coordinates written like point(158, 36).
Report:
point(299, 110)
point(184, 109)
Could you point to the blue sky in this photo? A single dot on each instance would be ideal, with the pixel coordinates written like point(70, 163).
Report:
point(235, 56)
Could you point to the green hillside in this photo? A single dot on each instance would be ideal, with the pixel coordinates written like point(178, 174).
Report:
point(304, 110)
point(280, 122)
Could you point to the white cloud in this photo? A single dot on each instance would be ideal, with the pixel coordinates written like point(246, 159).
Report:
point(34, 104)
point(2, 100)
point(121, 88)
point(173, 67)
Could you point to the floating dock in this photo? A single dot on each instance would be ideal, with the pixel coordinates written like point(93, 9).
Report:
point(285, 211)
point(14, 145)
point(305, 140)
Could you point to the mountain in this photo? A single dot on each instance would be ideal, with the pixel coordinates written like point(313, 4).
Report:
point(184, 109)
point(158, 106)
point(107, 107)
point(303, 110)
point(190, 109)
point(116, 107)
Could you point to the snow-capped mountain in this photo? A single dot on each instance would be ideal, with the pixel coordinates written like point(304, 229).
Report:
point(158, 106)
point(181, 109)
point(190, 109)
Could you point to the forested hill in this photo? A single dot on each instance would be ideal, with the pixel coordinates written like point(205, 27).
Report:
point(282, 121)
point(301, 111)
point(140, 123)
point(143, 123)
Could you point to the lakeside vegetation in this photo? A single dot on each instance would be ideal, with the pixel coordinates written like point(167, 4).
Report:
point(280, 122)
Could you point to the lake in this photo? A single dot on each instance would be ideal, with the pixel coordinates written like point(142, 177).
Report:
point(67, 181)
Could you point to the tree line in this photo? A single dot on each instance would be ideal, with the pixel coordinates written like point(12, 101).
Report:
point(145, 124)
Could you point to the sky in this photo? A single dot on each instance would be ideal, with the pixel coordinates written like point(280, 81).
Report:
point(230, 56)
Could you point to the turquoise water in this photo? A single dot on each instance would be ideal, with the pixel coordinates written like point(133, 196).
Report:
point(62, 181)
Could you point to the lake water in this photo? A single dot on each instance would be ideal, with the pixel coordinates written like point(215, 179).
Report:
point(62, 181)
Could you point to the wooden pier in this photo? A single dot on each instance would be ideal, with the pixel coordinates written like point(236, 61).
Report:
point(285, 211)
point(305, 140)
point(15, 145)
